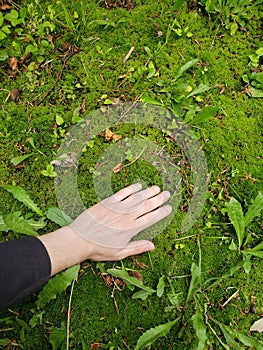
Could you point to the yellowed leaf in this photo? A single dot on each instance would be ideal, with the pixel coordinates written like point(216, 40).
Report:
point(13, 63)
point(109, 135)
point(117, 168)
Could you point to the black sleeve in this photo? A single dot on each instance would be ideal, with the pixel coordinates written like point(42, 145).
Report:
point(25, 268)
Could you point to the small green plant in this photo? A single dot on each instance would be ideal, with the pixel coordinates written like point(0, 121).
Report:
point(254, 80)
point(232, 14)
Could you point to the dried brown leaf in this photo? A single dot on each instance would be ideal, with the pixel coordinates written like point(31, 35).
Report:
point(136, 274)
point(13, 63)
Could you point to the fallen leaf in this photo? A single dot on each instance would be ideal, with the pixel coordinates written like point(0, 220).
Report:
point(109, 135)
point(257, 326)
point(136, 274)
point(95, 346)
point(50, 39)
point(118, 168)
point(15, 95)
point(4, 7)
point(13, 63)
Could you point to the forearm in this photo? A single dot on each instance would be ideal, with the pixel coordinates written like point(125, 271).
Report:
point(65, 248)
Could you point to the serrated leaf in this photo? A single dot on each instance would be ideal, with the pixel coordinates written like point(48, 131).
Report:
point(58, 216)
point(236, 217)
point(17, 223)
point(3, 226)
point(185, 67)
point(57, 338)
point(57, 285)
point(20, 159)
point(160, 286)
point(37, 225)
point(20, 194)
point(195, 274)
point(150, 336)
point(207, 113)
point(231, 334)
point(129, 279)
point(200, 329)
point(254, 209)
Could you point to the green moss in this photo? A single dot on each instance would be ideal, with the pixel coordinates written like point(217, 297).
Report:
point(232, 142)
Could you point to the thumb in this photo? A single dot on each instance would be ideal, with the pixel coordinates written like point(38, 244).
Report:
point(137, 247)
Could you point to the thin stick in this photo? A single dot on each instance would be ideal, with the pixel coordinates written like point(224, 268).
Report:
point(230, 298)
point(128, 55)
point(69, 312)
point(68, 56)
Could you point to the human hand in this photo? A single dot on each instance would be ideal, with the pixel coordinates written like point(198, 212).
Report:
point(114, 221)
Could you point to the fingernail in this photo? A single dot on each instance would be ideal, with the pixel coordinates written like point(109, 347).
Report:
point(137, 186)
point(166, 194)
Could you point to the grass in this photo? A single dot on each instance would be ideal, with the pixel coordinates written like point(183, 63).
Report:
point(231, 140)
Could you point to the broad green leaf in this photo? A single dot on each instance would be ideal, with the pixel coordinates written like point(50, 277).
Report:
point(17, 223)
point(151, 69)
point(57, 338)
point(200, 329)
point(199, 90)
point(129, 279)
point(236, 217)
point(254, 253)
point(196, 274)
point(175, 298)
point(20, 159)
point(58, 216)
point(141, 294)
point(20, 194)
point(185, 67)
point(255, 92)
point(3, 53)
point(57, 285)
point(254, 209)
point(36, 319)
point(59, 120)
point(258, 247)
point(150, 336)
point(207, 113)
point(49, 171)
point(160, 286)
point(3, 226)
point(148, 99)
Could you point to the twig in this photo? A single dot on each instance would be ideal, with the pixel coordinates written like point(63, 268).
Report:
point(70, 54)
point(128, 55)
point(230, 298)
point(115, 302)
point(69, 312)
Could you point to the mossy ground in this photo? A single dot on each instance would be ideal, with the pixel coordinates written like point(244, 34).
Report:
point(232, 142)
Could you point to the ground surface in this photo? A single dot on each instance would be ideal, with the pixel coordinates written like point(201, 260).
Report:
point(76, 50)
